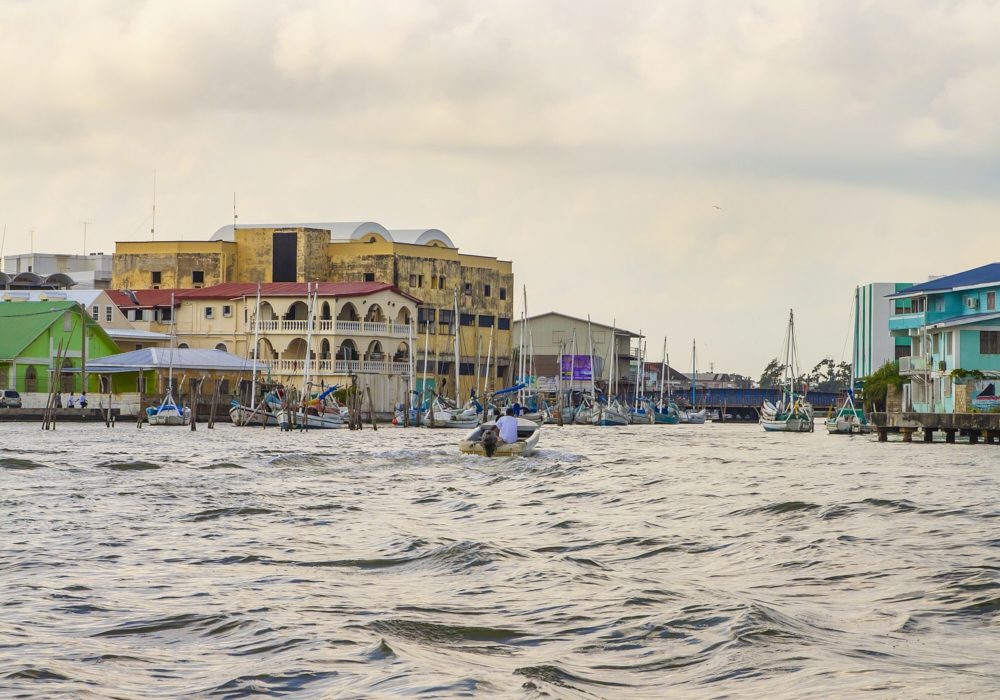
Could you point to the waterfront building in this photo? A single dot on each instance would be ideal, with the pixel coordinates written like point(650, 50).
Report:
point(361, 328)
point(34, 332)
point(103, 310)
point(550, 334)
point(39, 270)
point(422, 263)
point(952, 323)
point(874, 345)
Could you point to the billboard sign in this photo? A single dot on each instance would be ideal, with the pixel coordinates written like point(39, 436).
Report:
point(578, 366)
point(985, 395)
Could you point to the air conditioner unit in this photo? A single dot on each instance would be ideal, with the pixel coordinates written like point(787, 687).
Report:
point(972, 302)
point(942, 366)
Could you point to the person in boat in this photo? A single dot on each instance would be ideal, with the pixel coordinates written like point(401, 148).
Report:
point(490, 439)
point(507, 427)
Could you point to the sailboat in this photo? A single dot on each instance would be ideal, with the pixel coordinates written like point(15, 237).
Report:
point(269, 410)
point(793, 414)
point(690, 415)
point(849, 419)
point(168, 412)
point(443, 415)
point(665, 412)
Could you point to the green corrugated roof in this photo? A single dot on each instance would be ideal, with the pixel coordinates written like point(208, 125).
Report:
point(23, 321)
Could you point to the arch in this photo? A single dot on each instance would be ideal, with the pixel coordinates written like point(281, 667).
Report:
point(265, 351)
point(348, 312)
point(325, 315)
point(182, 346)
point(222, 347)
point(347, 350)
point(31, 379)
point(375, 351)
point(402, 353)
point(26, 279)
point(296, 350)
point(298, 311)
point(4, 280)
point(324, 349)
point(66, 380)
point(267, 312)
point(375, 314)
point(59, 280)
point(404, 316)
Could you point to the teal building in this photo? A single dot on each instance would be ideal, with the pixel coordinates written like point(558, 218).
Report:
point(952, 323)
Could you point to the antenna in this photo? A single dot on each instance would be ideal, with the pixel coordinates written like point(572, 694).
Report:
point(32, 232)
point(152, 231)
point(234, 214)
point(85, 225)
point(2, 241)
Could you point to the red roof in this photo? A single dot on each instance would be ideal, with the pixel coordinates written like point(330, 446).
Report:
point(235, 290)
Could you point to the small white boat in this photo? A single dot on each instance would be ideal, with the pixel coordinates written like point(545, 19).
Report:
point(168, 413)
point(693, 417)
point(528, 433)
point(325, 421)
point(440, 416)
point(798, 418)
point(609, 416)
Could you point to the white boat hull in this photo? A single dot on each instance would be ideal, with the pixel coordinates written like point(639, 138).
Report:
point(325, 421)
point(790, 425)
point(528, 433)
point(694, 417)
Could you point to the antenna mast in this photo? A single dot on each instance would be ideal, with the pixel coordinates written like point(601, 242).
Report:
point(152, 231)
point(85, 224)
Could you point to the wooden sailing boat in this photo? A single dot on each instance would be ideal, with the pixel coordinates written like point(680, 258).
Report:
point(168, 412)
point(793, 414)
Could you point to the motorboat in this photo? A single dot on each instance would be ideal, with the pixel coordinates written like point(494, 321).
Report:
point(693, 417)
point(849, 420)
point(168, 413)
point(528, 433)
point(612, 415)
point(442, 416)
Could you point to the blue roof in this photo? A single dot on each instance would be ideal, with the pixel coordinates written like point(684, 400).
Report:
point(987, 274)
point(966, 318)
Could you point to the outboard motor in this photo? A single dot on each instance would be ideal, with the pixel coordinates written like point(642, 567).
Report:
point(489, 442)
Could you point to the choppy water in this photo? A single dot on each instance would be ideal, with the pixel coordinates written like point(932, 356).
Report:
point(683, 561)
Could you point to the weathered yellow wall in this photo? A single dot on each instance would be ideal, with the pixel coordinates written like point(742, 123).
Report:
point(255, 247)
point(134, 263)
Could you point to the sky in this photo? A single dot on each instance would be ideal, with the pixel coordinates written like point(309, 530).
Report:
point(688, 169)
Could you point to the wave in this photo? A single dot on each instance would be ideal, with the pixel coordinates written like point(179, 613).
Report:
point(15, 463)
point(129, 466)
point(164, 624)
point(216, 513)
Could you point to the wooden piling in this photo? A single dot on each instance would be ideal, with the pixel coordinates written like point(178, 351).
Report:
point(215, 403)
point(371, 407)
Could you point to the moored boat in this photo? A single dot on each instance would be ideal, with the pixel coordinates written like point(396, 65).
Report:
point(792, 414)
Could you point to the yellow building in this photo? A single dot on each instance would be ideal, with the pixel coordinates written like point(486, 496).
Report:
point(424, 263)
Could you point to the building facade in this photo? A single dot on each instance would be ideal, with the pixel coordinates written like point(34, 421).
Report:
point(952, 324)
point(873, 343)
point(424, 264)
point(84, 271)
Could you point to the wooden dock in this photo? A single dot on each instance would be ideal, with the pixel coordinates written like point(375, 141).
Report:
point(975, 426)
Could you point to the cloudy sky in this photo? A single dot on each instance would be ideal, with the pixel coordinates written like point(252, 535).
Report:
point(845, 142)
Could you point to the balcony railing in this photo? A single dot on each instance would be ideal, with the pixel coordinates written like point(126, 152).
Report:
point(392, 330)
point(338, 366)
point(912, 363)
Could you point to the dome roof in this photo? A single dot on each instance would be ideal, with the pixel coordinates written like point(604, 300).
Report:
point(353, 231)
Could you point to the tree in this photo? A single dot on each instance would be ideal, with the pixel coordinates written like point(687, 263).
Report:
point(876, 385)
point(772, 375)
point(829, 376)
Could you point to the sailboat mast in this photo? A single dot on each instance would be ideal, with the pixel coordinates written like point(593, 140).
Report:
point(309, 335)
point(458, 357)
point(590, 342)
point(694, 371)
point(638, 375)
point(256, 345)
point(663, 369)
point(173, 336)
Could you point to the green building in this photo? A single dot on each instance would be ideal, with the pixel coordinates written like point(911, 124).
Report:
point(31, 333)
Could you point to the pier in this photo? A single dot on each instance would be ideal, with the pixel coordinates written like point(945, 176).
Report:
point(975, 426)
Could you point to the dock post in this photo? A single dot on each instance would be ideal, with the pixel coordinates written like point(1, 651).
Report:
point(991, 437)
point(949, 435)
point(973, 437)
point(907, 434)
point(883, 435)
point(928, 434)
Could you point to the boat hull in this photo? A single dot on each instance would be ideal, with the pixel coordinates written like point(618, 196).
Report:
point(788, 425)
point(528, 433)
point(325, 421)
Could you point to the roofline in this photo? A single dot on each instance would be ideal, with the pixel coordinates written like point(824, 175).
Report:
point(618, 331)
point(963, 320)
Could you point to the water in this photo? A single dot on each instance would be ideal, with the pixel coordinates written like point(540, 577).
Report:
point(651, 561)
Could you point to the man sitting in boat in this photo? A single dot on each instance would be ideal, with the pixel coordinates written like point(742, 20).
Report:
point(507, 425)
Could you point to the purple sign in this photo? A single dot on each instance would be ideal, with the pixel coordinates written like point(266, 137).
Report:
point(579, 365)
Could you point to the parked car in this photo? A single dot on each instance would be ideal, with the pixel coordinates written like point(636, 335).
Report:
point(12, 399)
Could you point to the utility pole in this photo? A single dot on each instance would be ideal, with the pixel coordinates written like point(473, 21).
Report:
point(32, 231)
point(152, 231)
point(85, 225)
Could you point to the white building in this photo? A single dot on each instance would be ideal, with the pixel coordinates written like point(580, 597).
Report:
point(87, 271)
point(873, 346)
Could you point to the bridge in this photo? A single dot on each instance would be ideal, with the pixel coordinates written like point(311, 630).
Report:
point(744, 404)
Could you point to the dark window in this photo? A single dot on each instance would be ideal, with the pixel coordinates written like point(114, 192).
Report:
point(420, 280)
point(991, 301)
point(444, 368)
point(468, 319)
point(485, 321)
point(440, 282)
point(165, 315)
point(224, 387)
point(369, 277)
point(989, 342)
point(138, 346)
point(446, 316)
point(487, 290)
point(425, 321)
point(157, 277)
point(902, 351)
point(468, 287)
point(503, 324)
point(503, 294)
point(284, 254)
point(198, 277)
point(413, 280)
point(467, 369)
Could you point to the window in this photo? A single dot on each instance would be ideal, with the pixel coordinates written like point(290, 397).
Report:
point(165, 315)
point(425, 321)
point(466, 369)
point(446, 317)
point(936, 340)
point(369, 277)
point(440, 282)
point(468, 320)
point(138, 346)
point(487, 290)
point(157, 277)
point(468, 287)
point(991, 301)
point(227, 311)
point(503, 323)
point(198, 277)
point(109, 313)
point(420, 280)
point(434, 282)
point(413, 280)
point(485, 321)
point(67, 322)
point(989, 342)
point(209, 312)
point(95, 313)
point(222, 347)
point(444, 368)
point(503, 294)
point(950, 341)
